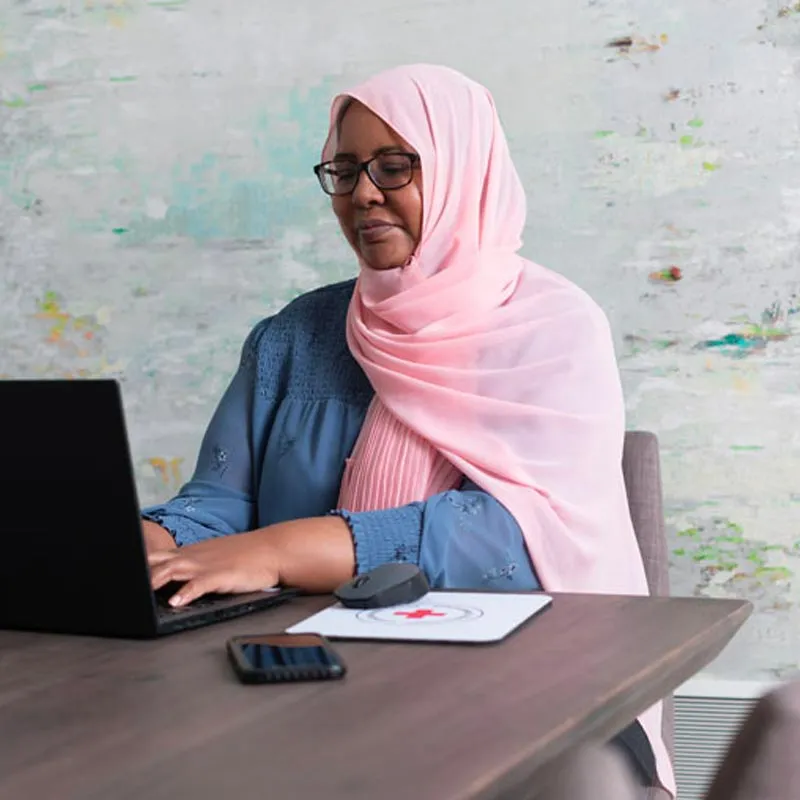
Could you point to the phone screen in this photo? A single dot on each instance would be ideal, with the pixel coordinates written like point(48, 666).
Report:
point(286, 653)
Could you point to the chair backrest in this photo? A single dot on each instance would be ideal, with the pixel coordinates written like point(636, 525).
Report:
point(641, 466)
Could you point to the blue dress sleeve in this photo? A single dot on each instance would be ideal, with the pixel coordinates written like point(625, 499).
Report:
point(219, 499)
point(461, 539)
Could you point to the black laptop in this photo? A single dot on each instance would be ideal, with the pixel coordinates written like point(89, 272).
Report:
point(72, 555)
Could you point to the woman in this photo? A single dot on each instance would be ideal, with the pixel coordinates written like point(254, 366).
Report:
point(457, 406)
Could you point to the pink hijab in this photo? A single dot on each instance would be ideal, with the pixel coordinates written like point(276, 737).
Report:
point(486, 363)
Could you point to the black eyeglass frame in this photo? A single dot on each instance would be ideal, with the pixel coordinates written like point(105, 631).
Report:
point(363, 166)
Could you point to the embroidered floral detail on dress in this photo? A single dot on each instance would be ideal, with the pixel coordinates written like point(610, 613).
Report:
point(466, 502)
point(189, 503)
point(498, 573)
point(401, 553)
point(221, 460)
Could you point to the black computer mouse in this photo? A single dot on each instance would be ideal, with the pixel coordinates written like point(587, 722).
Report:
point(390, 584)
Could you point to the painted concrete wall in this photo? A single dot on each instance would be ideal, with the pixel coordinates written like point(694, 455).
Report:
point(156, 200)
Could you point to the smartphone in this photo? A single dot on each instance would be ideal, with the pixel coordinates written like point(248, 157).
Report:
point(283, 657)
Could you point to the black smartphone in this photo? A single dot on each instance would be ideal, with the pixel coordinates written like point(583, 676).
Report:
point(283, 657)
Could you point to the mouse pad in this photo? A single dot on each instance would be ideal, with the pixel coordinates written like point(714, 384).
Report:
point(436, 617)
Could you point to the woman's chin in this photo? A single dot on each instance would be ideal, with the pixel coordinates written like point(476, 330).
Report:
point(381, 267)
point(381, 259)
point(391, 250)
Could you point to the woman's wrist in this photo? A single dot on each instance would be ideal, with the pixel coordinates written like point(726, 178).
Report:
point(315, 555)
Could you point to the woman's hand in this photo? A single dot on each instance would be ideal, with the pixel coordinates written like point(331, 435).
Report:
point(244, 562)
point(315, 555)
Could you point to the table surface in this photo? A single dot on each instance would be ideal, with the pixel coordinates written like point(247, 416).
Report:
point(91, 719)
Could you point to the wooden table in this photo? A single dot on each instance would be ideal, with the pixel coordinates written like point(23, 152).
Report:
point(90, 719)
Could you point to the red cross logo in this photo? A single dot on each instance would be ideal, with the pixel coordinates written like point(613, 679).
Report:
point(420, 613)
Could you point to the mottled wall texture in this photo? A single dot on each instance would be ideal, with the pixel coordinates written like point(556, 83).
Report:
point(156, 199)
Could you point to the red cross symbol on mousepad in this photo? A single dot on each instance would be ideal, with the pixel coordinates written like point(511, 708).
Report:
point(426, 615)
point(420, 613)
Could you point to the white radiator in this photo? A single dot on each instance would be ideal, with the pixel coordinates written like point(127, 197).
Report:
point(708, 713)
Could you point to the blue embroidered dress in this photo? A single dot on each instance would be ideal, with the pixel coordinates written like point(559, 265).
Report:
point(276, 447)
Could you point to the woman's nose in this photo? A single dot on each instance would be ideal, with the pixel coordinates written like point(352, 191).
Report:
point(366, 193)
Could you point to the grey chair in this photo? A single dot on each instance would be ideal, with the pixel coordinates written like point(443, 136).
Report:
point(592, 772)
point(596, 772)
point(641, 466)
point(762, 763)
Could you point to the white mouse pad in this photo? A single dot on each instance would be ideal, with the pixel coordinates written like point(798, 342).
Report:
point(436, 617)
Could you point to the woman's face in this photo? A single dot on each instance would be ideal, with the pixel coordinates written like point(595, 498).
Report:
point(382, 226)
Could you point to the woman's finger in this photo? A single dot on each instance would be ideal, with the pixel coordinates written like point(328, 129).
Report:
point(178, 570)
point(194, 588)
point(160, 556)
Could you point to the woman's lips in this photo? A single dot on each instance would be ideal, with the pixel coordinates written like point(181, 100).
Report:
point(375, 232)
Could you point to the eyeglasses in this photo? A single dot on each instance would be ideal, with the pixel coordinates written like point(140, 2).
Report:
point(387, 171)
